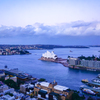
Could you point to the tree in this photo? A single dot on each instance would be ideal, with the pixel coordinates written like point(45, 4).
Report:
point(90, 98)
point(2, 79)
point(75, 96)
point(9, 94)
point(41, 79)
point(6, 66)
point(68, 56)
point(11, 83)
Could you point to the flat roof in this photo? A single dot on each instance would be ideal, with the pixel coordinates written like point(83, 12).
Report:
point(46, 84)
point(15, 71)
point(61, 88)
point(74, 58)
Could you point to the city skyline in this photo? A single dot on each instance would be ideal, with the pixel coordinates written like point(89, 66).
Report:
point(67, 22)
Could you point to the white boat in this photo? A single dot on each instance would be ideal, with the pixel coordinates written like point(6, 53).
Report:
point(96, 80)
point(88, 91)
point(98, 76)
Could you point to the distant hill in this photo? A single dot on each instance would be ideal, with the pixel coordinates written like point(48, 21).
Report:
point(38, 46)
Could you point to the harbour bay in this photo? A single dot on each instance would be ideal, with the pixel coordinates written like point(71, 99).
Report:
point(49, 70)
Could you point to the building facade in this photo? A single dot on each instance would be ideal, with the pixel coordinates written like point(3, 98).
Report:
point(90, 63)
point(51, 91)
point(74, 61)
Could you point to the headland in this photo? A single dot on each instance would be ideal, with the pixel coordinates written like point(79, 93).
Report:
point(88, 63)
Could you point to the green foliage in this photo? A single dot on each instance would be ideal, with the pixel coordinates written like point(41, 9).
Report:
point(9, 94)
point(2, 79)
point(89, 58)
point(41, 79)
point(68, 56)
point(58, 97)
point(75, 96)
point(90, 98)
point(11, 83)
point(20, 82)
point(69, 89)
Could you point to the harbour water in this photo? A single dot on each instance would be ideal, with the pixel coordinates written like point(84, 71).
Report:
point(52, 71)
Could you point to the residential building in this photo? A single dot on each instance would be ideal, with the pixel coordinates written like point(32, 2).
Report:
point(90, 63)
point(7, 97)
point(3, 88)
point(14, 78)
point(74, 61)
point(7, 77)
point(19, 74)
point(26, 88)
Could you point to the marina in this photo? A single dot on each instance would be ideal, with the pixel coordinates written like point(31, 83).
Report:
point(93, 86)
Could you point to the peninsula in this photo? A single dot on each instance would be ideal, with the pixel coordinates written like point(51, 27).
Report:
point(80, 63)
point(12, 51)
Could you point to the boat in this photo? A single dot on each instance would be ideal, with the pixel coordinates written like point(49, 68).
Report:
point(88, 91)
point(84, 81)
point(98, 76)
point(96, 80)
point(71, 51)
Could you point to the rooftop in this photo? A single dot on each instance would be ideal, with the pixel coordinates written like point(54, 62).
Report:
point(74, 58)
point(49, 55)
point(46, 84)
point(61, 88)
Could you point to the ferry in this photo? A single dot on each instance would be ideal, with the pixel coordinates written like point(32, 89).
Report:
point(98, 76)
point(96, 80)
point(84, 81)
point(88, 91)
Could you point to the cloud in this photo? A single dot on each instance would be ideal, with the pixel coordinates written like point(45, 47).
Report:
point(77, 28)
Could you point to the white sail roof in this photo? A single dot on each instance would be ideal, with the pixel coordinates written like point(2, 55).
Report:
point(49, 55)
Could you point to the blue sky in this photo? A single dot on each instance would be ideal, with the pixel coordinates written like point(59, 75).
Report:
point(66, 22)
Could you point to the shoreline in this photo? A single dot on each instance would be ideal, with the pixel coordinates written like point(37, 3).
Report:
point(65, 63)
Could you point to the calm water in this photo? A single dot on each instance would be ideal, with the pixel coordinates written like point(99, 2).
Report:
point(49, 70)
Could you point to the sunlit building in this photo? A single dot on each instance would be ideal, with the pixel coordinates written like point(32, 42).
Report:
point(52, 91)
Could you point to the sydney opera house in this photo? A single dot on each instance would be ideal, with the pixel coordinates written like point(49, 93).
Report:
point(49, 56)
